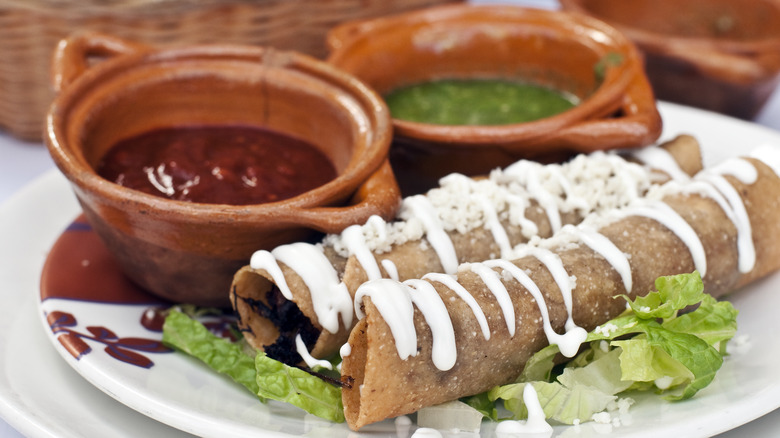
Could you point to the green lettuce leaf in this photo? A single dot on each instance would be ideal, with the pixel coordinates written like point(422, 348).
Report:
point(230, 358)
point(263, 376)
point(292, 385)
point(673, 294)
point(650, 346)
point(560, 403)
point(483, 404)
point(603, 373)
point(540, 366)
point(713, 321)
point(640, 361)
point(696, 355)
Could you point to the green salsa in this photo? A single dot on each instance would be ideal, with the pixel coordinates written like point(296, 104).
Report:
point(476, 102)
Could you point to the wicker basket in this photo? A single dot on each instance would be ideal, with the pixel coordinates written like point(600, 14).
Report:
point(30, 29)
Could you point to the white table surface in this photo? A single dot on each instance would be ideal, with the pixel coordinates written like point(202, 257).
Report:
point(23, 162)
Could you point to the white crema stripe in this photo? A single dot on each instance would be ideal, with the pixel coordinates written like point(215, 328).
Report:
point(493, 282)
point(423, 210)
point(310, 360)
point(355, 242)
point(330, 297)
point(394, 303)
point(660, 158)
point(265, 260)
point(604, 247)
point(553, 264)
point(428, 301)
point(493, 224)
point(534, 427)
point(452, 283)
point(391, 269)
point(666, 216)
point(528, 174)
point(732, 205)
point(739, 168)
point(569, 343)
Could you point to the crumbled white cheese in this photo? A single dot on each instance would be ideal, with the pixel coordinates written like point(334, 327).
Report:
point(606, 329)
point(586, 184)
point(602, 417)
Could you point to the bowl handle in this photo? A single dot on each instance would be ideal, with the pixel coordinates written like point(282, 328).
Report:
point(74, 55)
point(742, 66)
point(344, 33)
point(637, 122)
point(378, 195)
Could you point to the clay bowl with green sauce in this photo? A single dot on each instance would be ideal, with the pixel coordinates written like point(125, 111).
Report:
point(720, 55)
point(114, 92)
point(509, 52)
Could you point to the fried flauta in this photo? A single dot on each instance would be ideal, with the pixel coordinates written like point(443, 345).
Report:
point(427, 341)
point(298, 298)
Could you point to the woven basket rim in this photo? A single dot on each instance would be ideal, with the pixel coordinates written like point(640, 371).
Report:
point(142, 7)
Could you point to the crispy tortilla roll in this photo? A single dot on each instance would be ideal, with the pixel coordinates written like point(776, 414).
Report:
point(424, 342)
point(304, 290)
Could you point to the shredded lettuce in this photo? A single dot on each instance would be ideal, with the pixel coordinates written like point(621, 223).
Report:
point(651, 346)
point(265, 377)
point(671, 341)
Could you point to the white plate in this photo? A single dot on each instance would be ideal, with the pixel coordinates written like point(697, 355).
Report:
point(180, 392)
point(41, 396)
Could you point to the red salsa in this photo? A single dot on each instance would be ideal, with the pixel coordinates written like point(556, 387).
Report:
point(236, 165)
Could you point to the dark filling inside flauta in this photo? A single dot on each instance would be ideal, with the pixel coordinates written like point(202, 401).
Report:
point(290, 321)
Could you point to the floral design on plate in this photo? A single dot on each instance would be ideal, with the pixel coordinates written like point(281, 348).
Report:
point(62, 324)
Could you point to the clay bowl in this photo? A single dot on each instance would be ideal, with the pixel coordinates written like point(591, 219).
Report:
point(570, 53)
point(721, 55)
point(187, 252)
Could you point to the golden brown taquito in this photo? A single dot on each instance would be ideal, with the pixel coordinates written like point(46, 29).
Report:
point(267, 318)
point(382, 385)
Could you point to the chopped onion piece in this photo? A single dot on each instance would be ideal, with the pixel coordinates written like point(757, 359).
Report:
point(451, 416)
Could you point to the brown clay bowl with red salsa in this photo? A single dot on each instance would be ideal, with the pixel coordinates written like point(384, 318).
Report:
point(221, 114)
point(574, 54)
point(721, 55)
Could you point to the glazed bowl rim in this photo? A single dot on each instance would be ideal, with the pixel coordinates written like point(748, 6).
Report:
point(600, 102)
point(85, 178)
point(645, 36)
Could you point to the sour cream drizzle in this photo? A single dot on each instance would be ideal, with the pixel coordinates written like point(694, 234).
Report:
point(493, 224)
point(428, 301)
point(731, 203)
point(660, 158)
point(553, 264)
point(354, 239)
point(315, 270)
point(604, 247)
point(569, 342)
point(528, 174)
point(452, 283)
point(423, 210)
point(493, 282)
point(666, 216)
point(310, 360)
point(397, 310)
point(391, 269)
point(535, 425)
